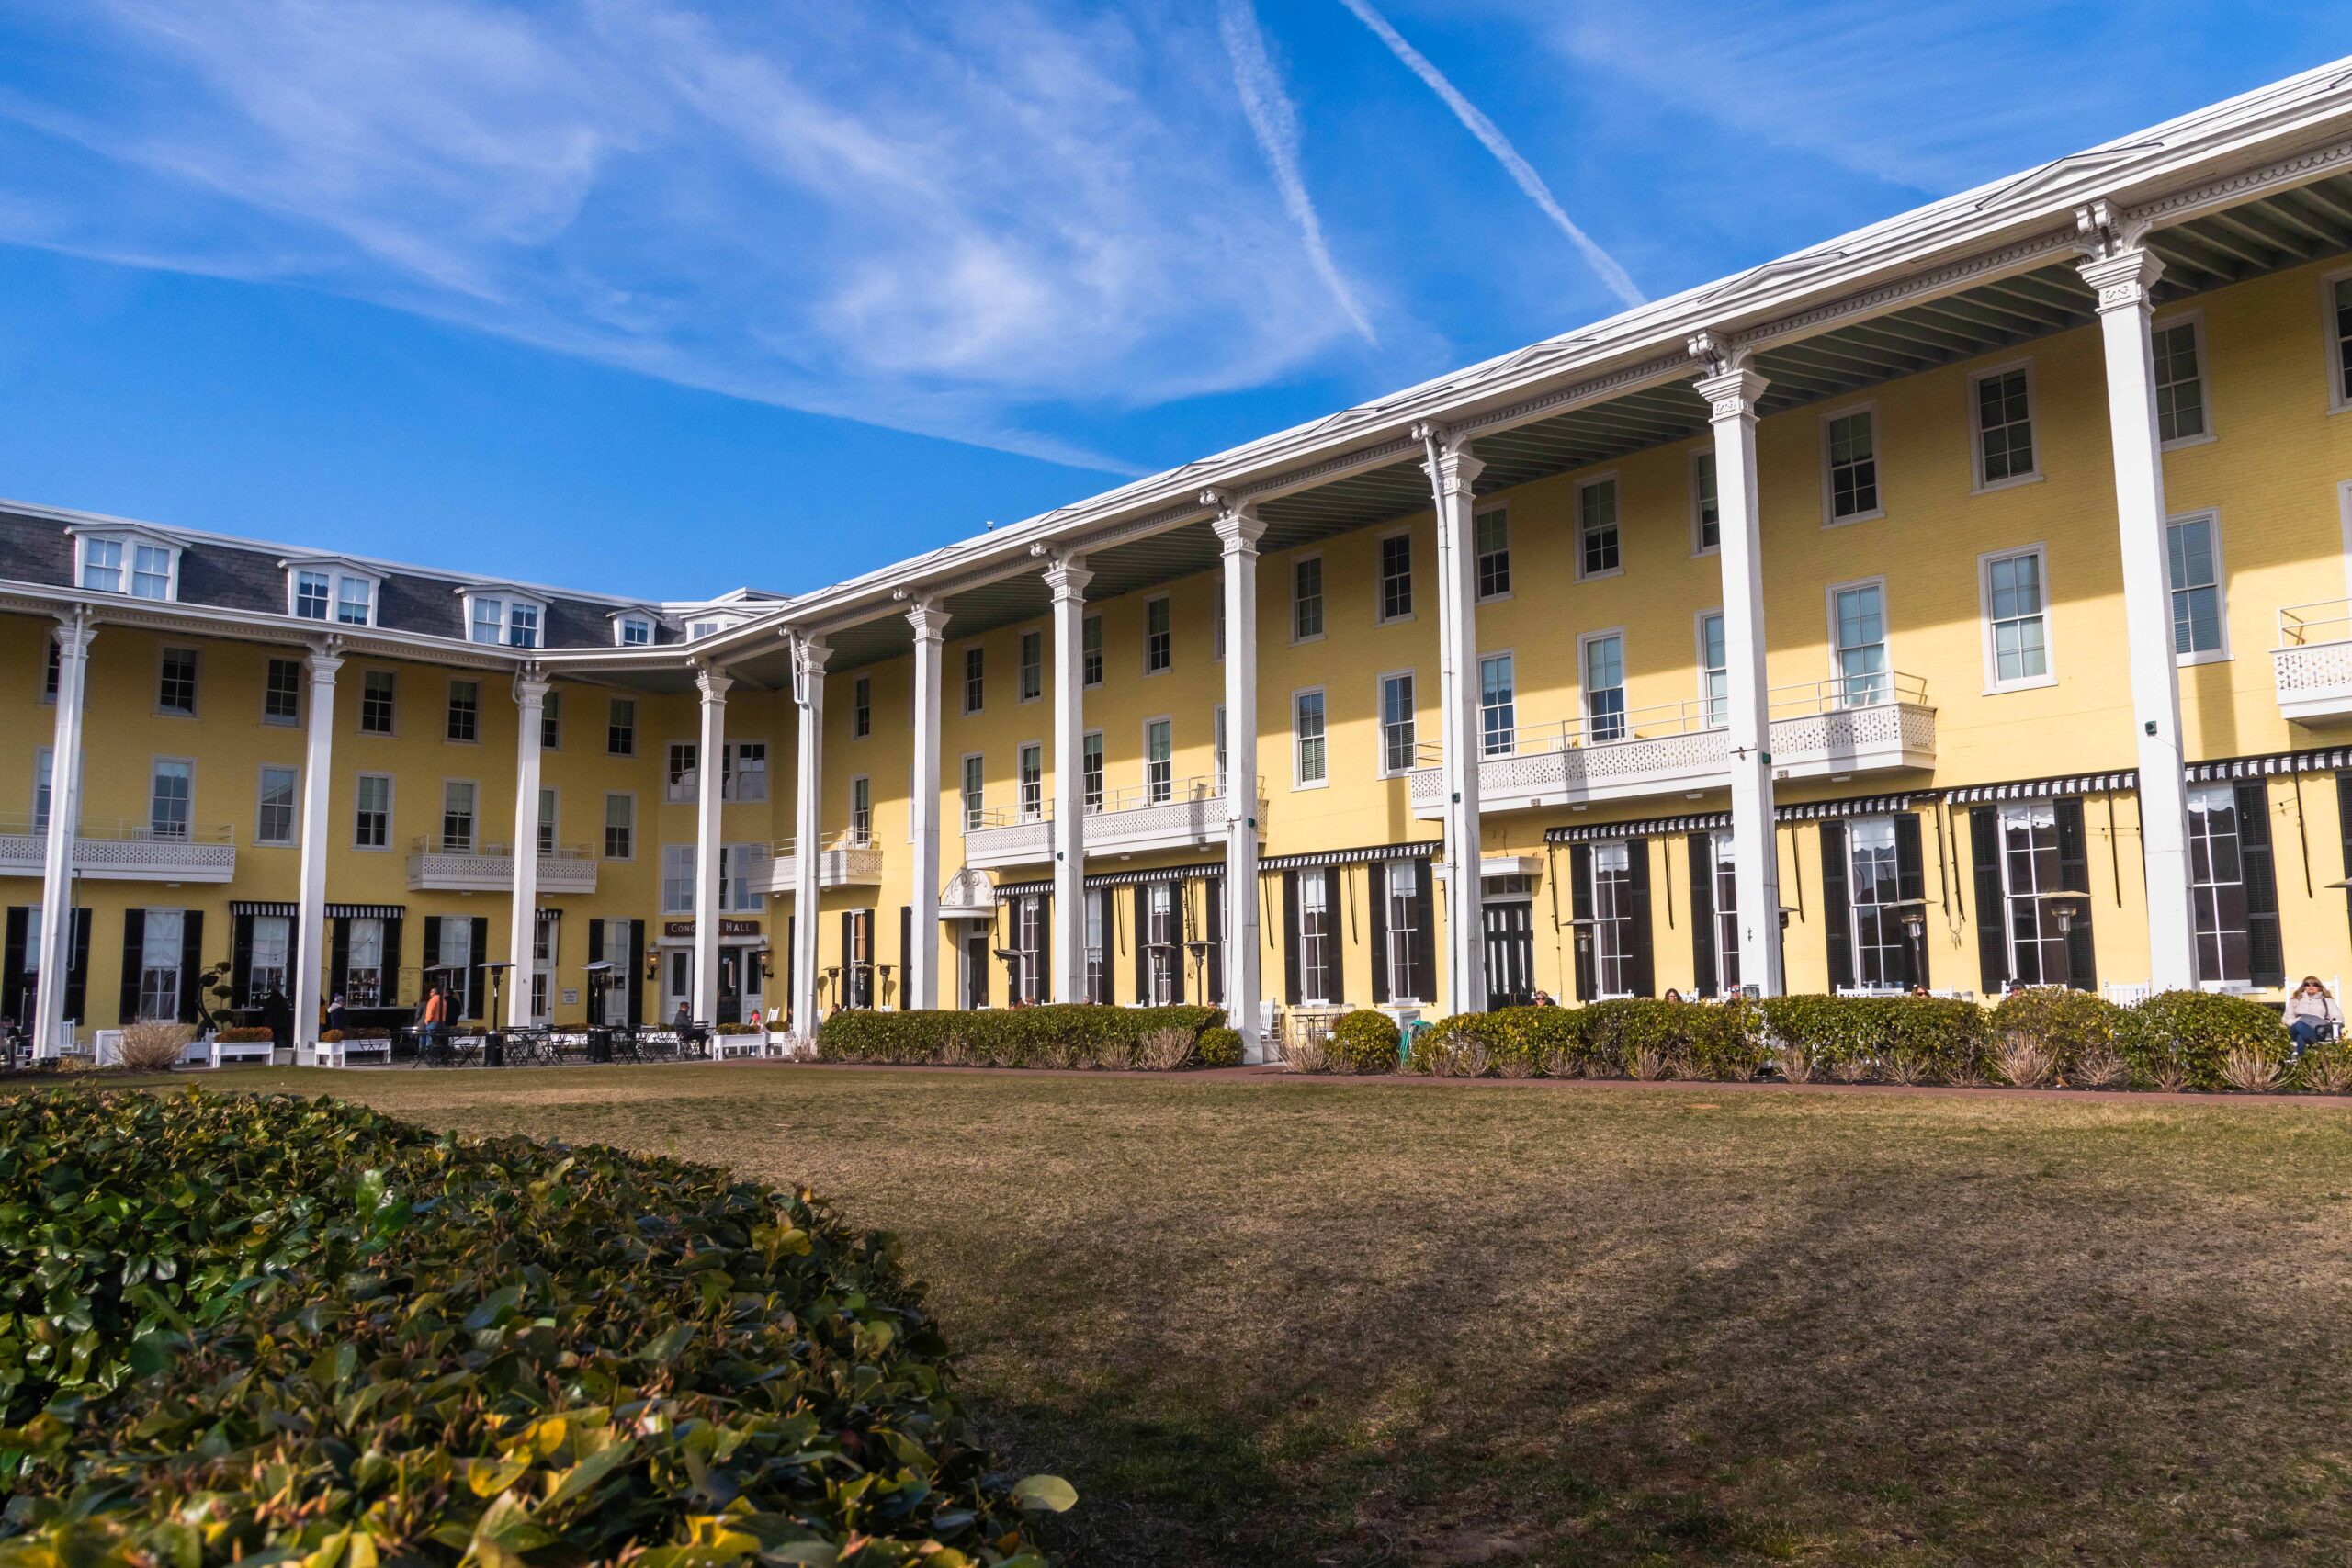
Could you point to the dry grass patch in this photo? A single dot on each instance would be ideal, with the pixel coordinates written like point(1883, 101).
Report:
point(1285, 1320)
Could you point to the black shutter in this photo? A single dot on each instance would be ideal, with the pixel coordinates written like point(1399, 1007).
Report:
point(906, 956)
point(1216, 997)
point(476, 953)
point(2075, 876)
point(848, 993)
point(597, 955)
point(388, 988)
point(12, 964)
point(1641, 967)
point(1293, 954)
point(430, 959)
point(77, 972)
point(1378, 874)
point(1580, 907)
point(134, 953)
point(1837, 907)
point(1141, 903)
point(1992, 907)
point(2265, 954)
point(1911, 887)
point(1425, 934)
point(339, 963)
point(192, 965)
point(636, 973)
point(1703, 971)
point(241, 960)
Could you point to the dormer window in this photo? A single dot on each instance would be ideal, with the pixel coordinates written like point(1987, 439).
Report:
point(330, 590)
point(503, 619)
point(633, 631)
point(142, 565)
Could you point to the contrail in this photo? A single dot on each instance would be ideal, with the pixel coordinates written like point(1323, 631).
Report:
point(1275, 123)
point(1618, 282)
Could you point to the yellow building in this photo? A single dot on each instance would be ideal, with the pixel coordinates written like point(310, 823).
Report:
point(1960, 601)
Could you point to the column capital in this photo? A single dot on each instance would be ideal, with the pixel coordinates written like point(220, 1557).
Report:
point(1068, 577)
point(2124, 279)
point(809, 656)
point(75, 633)
point(1237, 525)
point(713, 685)
point(531, 690)
point(1732, 393)
point(1450, 465)
point(928, 618)
point(322, 663)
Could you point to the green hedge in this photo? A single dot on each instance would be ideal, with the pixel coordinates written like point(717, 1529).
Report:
point(1220, 1047)
point(2183, 1039)
point(263, 1329)
point(1364, 1042)
point(1079, 1035)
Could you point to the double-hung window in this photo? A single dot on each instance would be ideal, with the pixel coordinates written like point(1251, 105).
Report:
point(620, 728)
point(2029, 868)
point(2217, 887)
point(2181, 381)
point(1096, 974)
point(102, 565)
point(312, 591)
point(1397, 577)
point(42, 756)
point(128, 565)
point(1612, 919)
point(1850, 455)
point(1160, 934)
point(861, 809)
point(151, 572)
point(2193, 565)
point(281, 692)
point(355, 600)
point(633, 631)
point(678, 879)
point(2016, 620)
point(1032, 764)
point(551, 722)
point(1604, 687)
point(1029, 941)
point(548, 802)
point(1726, 915)
point(163, 940)
point(1404, 881)
point(1090, 650)
point(745, 774)
point(974, 812)
point(1159, 761)
point(1090, 748)
point(465, 710)
point(175, 691)
point(1490, 539)
point(499, 618)
point(1597, 528)
point(861, 707)
point(682, 779)
point(371, 819)
point(2004, 413)
point(1874, 893)
point(1159, 636)
point(363, 968)
point(1497, 706)
point(457, 816)
point(1310, 766)
point(376, 690)
point(1399, 738)
point(274, 814)
point(1858, 621)
point(1706, 511)
point(1306, 599)
point(975, 686)
point(1033, 666)
point(620, 824)
point(1714, 672)
point(1317, 973)
point(170, 796)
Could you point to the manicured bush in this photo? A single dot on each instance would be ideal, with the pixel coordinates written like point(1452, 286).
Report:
point(262, 1329)
point(1906, 1039)
point(1219, 1047)
point(1365, 1041)
point(2071, 1027)
point(2183, 1039)
point(1079, 1035)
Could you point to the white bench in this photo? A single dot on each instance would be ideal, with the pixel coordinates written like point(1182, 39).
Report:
point(339, 1053)
point(724, 1047)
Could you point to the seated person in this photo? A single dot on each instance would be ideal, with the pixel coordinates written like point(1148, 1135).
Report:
point(2312, 1015)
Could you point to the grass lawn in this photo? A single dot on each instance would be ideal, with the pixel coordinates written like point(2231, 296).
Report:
point(1276, 1321)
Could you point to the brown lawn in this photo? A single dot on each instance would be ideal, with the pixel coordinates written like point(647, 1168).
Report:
point(1279, 1320)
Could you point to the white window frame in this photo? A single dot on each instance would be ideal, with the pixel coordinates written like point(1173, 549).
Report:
point(449, 707)
point(1510, 562)
point(44, 787)
point(860, 804)
point(2195, 320)
point(1380, 719)
point(1021, 666)
point(1584, 686)
point(195, 708)
point(1399, 955)
point(505, 599)
point(392, 701)
point(2048, 677)
point(1976, 427)
point(1298, 743)
point(1169, 601)
point(1510, 746)
point(603, 829)
point(2212, 516)
point(964, 682)
point(1170, 721)
point(1322, 599)
point(550, 819)
point(2331, 345)
point(440, 839)
point(1886, 633)
point(686, 854)
point(1576, 530)
point(337, 572)
point(1025, 808)
point(732, 772)
point(971, 806)
point(1317, 881)
point(154, 766)
point(1093, 623)
point(392, 791)
point(1091, 800)
point(128, 540)
point(1705, 453)
point(1829, 518)
point(294, 807)
point(860, 708)
point(681, 788)
point(624, 619)
point(1698, 658)
point(1380, 575)
point(281, 721)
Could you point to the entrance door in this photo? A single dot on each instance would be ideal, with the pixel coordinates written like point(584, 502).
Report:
point(976, 963)
point(1511, 953)
point(731, 985)
point(677, 984)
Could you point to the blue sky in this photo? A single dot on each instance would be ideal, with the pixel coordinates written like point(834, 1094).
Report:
point(663, 298)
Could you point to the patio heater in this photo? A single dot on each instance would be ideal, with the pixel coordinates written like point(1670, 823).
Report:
point(2064, 907)
point(1199, 948)
point(493, 1046)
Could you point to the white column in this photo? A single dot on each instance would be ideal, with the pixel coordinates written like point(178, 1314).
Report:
point(710, 776)
point(930, 622)
point(1732, 390)
point(1238, 531)
point(522, 938)
point(1452, 470)
point(318, 796)
point(809, 656)
point(1068, 577)
point(57, 853)
point(2124, 280)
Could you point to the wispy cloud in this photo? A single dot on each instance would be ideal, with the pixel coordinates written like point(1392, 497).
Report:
point(1274, 120)
point(1490, 137)
point(960, 224)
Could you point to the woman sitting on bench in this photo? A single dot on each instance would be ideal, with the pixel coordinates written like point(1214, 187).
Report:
point(2312, 1015)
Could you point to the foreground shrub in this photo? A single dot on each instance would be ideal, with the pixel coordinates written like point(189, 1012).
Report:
point(1905, 1039)
point(1220, 1047)
point(2327, 1068)
point(2063, 1025)
point(1364, 1042)
point(270, 1330)
point(154, 1047)
point(1079, 1035)
point(2179, 1039)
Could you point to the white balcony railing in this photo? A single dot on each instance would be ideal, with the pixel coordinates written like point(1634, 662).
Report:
point(125, 851)
point(848, 859)
point(2313, 663)
point(1165, 814)
point(1826, 728)
point(464, 865)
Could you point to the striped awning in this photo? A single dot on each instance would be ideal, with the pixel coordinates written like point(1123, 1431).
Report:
point(1643, 827)
point(1214, 872)
point(2037, 789)
point(1419, 849)
point(2325, 760)
point(1859, 806)
point(335, 912)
